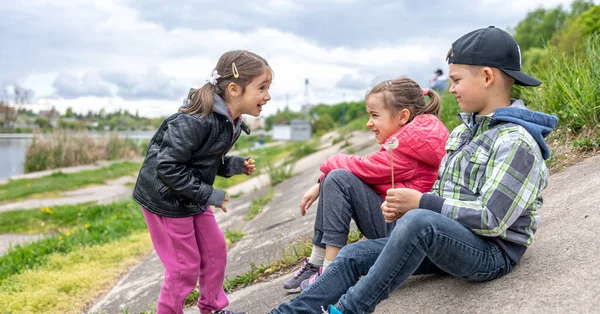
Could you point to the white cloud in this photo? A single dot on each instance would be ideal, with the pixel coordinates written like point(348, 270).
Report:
point(69, 85)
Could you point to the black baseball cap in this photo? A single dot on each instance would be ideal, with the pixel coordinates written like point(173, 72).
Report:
point(491, 47)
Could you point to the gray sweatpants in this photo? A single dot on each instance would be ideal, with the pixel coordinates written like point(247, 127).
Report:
point(344, 197)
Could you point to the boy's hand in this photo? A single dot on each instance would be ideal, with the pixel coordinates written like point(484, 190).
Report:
point(249, 166)
point(222, 207)
point(311, 195)
point(398, 202)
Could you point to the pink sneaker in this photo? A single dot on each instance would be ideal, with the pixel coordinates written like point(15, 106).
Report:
point(311, 280)
point(306, 271)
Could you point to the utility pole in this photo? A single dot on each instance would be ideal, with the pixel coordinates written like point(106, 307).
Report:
point(344, 109)
point(306, 103)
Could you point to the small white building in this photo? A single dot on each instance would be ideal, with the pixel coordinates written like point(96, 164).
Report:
point(295, 130)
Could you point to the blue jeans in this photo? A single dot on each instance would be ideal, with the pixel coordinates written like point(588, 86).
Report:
point(423, 242)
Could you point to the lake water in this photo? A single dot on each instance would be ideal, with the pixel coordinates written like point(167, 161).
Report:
point(14, 146)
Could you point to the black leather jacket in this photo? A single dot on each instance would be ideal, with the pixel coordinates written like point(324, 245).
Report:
point(183, 159)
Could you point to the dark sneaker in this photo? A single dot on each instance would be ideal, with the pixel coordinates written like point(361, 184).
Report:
point(307, 270)
point(228, 312)
point(311, 279)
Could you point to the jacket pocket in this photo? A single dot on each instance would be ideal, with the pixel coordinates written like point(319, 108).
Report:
point(179, 203)
point(473, 166)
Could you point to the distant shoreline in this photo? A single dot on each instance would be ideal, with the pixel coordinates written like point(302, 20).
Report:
point(138, 135)
point(18, 136)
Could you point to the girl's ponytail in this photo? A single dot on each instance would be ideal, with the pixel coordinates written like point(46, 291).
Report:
point(200, 101)
point(434, 105)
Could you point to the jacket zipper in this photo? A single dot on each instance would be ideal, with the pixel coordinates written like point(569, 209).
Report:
point(232, 137)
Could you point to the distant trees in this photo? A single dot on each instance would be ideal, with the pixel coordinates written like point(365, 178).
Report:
point(11, 101)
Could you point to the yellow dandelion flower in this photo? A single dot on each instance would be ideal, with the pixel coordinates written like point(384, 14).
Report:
point(68, 233)
point(129, 205)
point(28, 185)
point(86, 226)
point(47, 210)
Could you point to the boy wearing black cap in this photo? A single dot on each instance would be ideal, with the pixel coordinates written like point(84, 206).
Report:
point(482, 212)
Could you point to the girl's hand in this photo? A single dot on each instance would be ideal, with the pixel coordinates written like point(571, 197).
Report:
point(311, 195)
point(222, 207)
point(249, 166)
point(389, 214)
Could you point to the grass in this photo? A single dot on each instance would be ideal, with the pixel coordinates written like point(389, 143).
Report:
point(67, 283)
point(258, 203)
point(571, 88)
point(49, 220)
point(104, 224)
point(232, 236)
point(225, 183)
point(66, 148)
point(449, 111)
point(59, 181)
point(279, 173)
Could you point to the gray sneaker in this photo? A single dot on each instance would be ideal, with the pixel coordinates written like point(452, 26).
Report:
point(307, 270)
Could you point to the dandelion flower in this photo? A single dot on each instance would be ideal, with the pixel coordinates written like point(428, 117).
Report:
point(390, 145)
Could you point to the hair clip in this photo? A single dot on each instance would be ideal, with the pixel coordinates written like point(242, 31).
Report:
point(234, 70)
point(388, 83)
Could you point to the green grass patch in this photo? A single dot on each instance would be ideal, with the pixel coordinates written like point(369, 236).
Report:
point(358, 124)
point(59, 181)
point(68, 283)
point(449, 111)
point(571, 88)
point(279, 173)
point(258, 203)
point(104, 224)
point(587, 143)
point(225, 183)
point(49, 220)
point(303, 150)
point(232, 236)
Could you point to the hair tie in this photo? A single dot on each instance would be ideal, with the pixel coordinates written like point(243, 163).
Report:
point(234, 70)
point(425, 91)
point(213, 78)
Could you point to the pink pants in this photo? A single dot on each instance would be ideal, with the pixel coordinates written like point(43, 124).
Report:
point(193, 251)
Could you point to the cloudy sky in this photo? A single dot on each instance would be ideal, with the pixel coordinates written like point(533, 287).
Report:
point(144, 55)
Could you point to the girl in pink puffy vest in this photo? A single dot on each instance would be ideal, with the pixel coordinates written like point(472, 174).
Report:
point(354, 187)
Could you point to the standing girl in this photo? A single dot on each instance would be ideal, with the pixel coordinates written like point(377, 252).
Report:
point(354, 187)
point(174, 186)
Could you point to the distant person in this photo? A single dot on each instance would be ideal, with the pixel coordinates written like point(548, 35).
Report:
point(439, 82)
point(174, 186)
point(482, 212)
point(260, 144)
point(354, 187)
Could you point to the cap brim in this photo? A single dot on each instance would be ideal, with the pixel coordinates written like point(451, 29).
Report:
point(522, 78)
